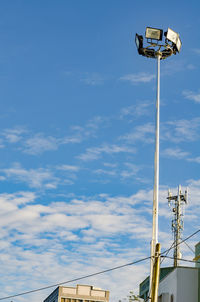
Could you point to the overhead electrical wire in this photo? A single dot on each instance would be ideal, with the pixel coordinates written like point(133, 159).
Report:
point(163, 257)
point(181, 259)
point(98, 273)
point(182, 241)
point(76, 279)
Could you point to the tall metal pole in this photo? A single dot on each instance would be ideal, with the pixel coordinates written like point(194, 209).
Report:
point(156, 176)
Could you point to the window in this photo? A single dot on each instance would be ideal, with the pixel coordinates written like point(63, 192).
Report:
point(172, 298)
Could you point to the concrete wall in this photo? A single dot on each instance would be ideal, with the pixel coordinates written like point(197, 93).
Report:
point(169, 286)
point(182, 283)
point(187, 285)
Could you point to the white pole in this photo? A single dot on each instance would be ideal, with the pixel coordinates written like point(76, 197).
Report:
point(156, 177)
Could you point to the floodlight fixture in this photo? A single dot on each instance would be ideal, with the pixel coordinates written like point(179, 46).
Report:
point(173, 36)
point(154, 33)
point(139, 43)
point(178, 44)
point(157, 47)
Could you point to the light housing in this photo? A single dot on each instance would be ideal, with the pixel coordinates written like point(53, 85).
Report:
point(154, 33)
point(139, 43)
point(173, 36)
point(178, 44)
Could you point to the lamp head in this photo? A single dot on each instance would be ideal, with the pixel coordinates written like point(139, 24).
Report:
point(154, 33)
point(139, 43)
point(173, 37)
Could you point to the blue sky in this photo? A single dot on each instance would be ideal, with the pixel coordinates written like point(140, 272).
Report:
point(77, 139)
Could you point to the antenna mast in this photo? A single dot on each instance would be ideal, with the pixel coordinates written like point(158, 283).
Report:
point(177, 203)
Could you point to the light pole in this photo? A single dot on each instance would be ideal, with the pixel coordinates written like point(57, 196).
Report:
point(159, 50)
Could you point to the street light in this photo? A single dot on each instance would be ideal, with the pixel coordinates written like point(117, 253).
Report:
point(174, 38)
point(159, 50)
point(154, 33)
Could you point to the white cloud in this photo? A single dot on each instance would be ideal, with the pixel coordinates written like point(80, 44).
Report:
point(106, 172)
point(196, 50)
point(14, 135)
point(96, 152)
point(191, 96)
point(195, 159)
point(142, 133)
point(128, 170)
point(176, 153)
point(131, 170)
point(92, 79)
point(35, 178)
point(135, 111)
point(50, 242)
point(80, 134)
point(142, 77)
point(191, 67)
point(173, 66)
point(69, 168)
point(181, 130)
point(1, 144)
point(39, 144)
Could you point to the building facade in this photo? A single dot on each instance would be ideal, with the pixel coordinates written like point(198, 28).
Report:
point(180, 285)
point(177, 284)
point(80, 293)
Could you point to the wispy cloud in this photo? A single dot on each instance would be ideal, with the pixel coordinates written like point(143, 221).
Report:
point(191, 96)
point(124, 172)
point(176, 153)
point(181, 130)
point(82, 133)
point(142, 133)
point(173, 67)
point(135, 111)
point(34, 237)
point(131, 170)
point(34, 178)
point(109, 172)
point(195, 159)
point(94, 153)
point(14, 135)
point(191, 67)
point(2, 144)
point(69, 168)
point(142, 77)
point(39, 144)
point(92, 79)
point(196, 50)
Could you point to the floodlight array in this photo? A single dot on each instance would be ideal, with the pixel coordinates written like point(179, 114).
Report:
point(154, 36)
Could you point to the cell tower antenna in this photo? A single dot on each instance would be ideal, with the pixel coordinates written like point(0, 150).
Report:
point(177, 203)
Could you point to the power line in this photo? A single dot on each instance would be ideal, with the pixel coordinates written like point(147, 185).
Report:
point(95, 274)
point(182, 241)
point(185, 260)
point(76, 279)
point(189, 247)
point(167, 252)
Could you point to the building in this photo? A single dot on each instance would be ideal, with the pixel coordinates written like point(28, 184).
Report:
point(80, 293)
point(144, 286)
point(182, 284)
point(177, 284)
